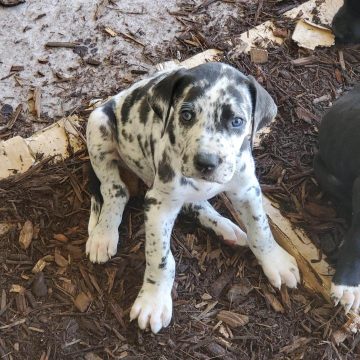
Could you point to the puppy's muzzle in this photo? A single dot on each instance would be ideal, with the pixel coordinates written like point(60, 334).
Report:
point(206, 163)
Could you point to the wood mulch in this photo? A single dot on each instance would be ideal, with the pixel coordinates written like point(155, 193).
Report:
point(55, 304)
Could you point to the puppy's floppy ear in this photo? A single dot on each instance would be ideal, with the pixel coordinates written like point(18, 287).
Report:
point(162, 95)
point(264, 107)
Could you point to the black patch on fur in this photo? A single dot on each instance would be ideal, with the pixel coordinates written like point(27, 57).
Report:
point(150, 281)
point(135, 96)
point(104, 132)
point(109, 109)
point(141, 146)
point(225, 117)
point(195, 93)
point(184, 182)
point(149, 201)
point(94, 186)
point(256, 218)
point(170, 131)
point(165, 171)
point(125, 134)
point(163, 263)
point(144, 111)
point(120, 191)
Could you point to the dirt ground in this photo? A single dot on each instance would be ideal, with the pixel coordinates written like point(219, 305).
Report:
point(77, 310)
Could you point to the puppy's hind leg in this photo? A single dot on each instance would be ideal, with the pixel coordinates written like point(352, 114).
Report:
point(107, 206)
point(223, 227)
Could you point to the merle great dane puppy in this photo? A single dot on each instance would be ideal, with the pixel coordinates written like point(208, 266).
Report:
point(187, 134)
point(337, 168)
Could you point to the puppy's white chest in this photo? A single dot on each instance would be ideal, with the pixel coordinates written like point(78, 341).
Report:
point(199, 190)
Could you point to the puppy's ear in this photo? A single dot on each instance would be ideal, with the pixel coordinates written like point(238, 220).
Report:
point(162, 95)
point(264, 107)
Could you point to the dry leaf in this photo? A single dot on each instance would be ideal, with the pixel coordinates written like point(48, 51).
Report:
point(26, 235)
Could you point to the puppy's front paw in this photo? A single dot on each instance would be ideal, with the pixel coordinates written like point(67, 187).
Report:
point(152, 307)
point(347, 296)
point(280, 268)
point(231, 233)
point(101, 245)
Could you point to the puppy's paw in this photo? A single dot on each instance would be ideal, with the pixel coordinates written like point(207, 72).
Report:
point(152, 308)
point(280, 268)
point(101, 245)
point(232, 235)
point(347, 296)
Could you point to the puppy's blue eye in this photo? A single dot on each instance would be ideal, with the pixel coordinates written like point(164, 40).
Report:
point(237, 122)
point(186, 115)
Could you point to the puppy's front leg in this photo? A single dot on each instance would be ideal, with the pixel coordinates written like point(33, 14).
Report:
point(279, 266)
point(153, 305)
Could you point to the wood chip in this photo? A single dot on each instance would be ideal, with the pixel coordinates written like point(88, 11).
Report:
point(238, 292)
point(219, 284)
point(118, 312)
point(64, 44)
point(60, 260)
point(339, 336)
point(296, 344)
point(15, 288)
point(16, 68)
point(11, 2)
point(3, 300)
point(322, 99)
point(39, 266)
point(93, 62)
point(320, 211)
point(232, 319)
point(37, 102)
point(273, 301)
point(82, 302)
point(26, 235)
point(259, 56)
point(61, 237)
point(282, 33)
point(304, 61)
point(110, 31)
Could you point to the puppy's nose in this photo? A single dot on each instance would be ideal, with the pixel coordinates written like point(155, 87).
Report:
point(206, 163)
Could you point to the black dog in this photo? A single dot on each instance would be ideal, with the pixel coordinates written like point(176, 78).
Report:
point(337, 168)
point(346, 23)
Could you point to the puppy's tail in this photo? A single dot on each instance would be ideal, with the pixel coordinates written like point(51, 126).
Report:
point(96, 199)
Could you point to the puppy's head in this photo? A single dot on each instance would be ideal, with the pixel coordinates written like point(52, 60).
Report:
point(346, 23)
point(209, 112)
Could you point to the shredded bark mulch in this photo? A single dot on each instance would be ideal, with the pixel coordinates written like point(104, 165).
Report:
point(55, 304)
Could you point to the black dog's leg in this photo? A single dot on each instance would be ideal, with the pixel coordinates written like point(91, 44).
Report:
point(328, 181)
point(346, 282)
